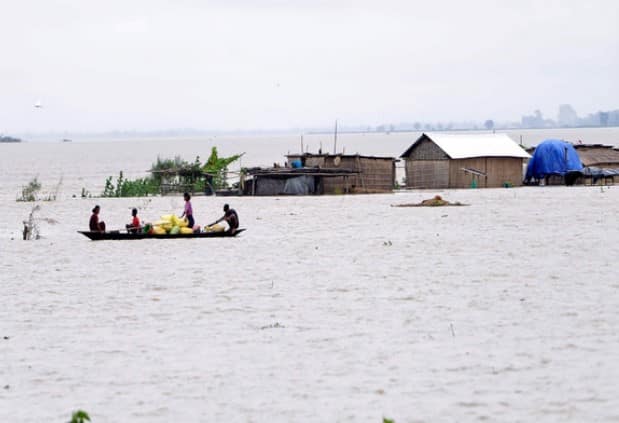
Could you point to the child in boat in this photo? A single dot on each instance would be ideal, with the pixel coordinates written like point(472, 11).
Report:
point(135, 222)
point(95, 225)
point(188, 211)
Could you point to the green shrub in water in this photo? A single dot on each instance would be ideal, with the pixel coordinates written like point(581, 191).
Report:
point(79, 416)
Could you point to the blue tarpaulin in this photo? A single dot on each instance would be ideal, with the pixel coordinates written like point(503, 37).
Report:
point(553, 157)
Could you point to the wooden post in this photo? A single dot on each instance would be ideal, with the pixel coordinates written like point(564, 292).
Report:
point(335, 139)
point(361, 174)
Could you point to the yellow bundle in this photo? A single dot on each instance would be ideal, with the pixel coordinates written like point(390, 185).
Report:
point(186, 231)
point(158, 230)
point(214, 228)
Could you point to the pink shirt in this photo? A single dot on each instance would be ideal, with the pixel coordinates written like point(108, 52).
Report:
point(188, 209)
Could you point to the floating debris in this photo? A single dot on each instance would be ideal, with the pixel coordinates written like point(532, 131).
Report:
point(437, 201)
point(272, 326)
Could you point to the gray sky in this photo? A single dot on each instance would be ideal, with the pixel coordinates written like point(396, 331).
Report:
point(154, 64)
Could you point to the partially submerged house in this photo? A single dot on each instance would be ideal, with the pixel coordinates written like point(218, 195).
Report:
point(307, 174)
point(598, 155)
point(558, 162)
point(371, 174)
point(438, 160)
point(601, 163)
point(554, 162)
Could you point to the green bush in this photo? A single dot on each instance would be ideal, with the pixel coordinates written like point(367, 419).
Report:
point(140, 187)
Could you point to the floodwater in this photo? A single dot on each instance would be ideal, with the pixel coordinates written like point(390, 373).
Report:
point(334, 308)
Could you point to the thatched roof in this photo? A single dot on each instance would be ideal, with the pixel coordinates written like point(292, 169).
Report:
point(596, 154)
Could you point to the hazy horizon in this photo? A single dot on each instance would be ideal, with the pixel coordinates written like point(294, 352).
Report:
point(267, 65)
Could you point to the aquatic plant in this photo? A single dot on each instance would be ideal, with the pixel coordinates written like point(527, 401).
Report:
point(31, 225)
point(85, 193)
point(140, 187)
point(54, 194)
point(79, 416)
point(30, 191)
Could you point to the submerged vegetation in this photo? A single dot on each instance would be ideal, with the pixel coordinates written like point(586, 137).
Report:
point(174, 175)
point(32, 191)
point(31, 229)
point(79, 416)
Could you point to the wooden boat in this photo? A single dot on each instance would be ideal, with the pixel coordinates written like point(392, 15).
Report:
point(117, 235)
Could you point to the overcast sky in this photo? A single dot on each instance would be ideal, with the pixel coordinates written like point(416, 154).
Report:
point(154, 64)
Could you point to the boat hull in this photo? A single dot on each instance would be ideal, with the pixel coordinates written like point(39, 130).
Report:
point(119, 236)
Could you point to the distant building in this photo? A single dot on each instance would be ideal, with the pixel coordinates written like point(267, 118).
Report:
point(464, 160)
point(567, 116)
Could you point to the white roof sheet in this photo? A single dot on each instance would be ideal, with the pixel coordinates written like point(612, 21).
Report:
point(463, 146)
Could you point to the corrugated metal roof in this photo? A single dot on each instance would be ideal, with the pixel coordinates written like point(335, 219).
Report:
point(464, 146)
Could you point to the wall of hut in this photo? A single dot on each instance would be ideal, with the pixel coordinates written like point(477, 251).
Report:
point(499, 171)
point(376, 174)
point(429, 167)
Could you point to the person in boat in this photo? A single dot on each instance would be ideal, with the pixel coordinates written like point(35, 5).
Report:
point(188, 211)
point(231, 218)
point(135, 224)
point(95, 225)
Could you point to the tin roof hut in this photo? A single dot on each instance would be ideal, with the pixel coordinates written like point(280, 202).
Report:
point(438, 160)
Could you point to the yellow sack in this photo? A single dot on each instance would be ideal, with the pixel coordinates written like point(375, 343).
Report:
point(186, 231)
point(167, 217)
point(214, 228)
point(158, 230)
point(183, 223)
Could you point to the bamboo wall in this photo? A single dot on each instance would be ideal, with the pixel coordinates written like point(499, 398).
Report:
point(427, 166)
point(449, 173)
point(499, 170)
point(427, 173)
point(377, 174)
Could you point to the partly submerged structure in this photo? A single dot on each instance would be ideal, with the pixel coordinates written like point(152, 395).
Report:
point(554, 162)
point(311, 174)
point(558, 162)
point(598, 155)
point(438, 160)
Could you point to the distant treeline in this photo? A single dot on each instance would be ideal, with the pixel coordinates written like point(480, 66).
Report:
point(8, 139)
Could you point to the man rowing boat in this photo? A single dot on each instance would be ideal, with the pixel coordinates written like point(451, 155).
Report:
point(231, 218)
